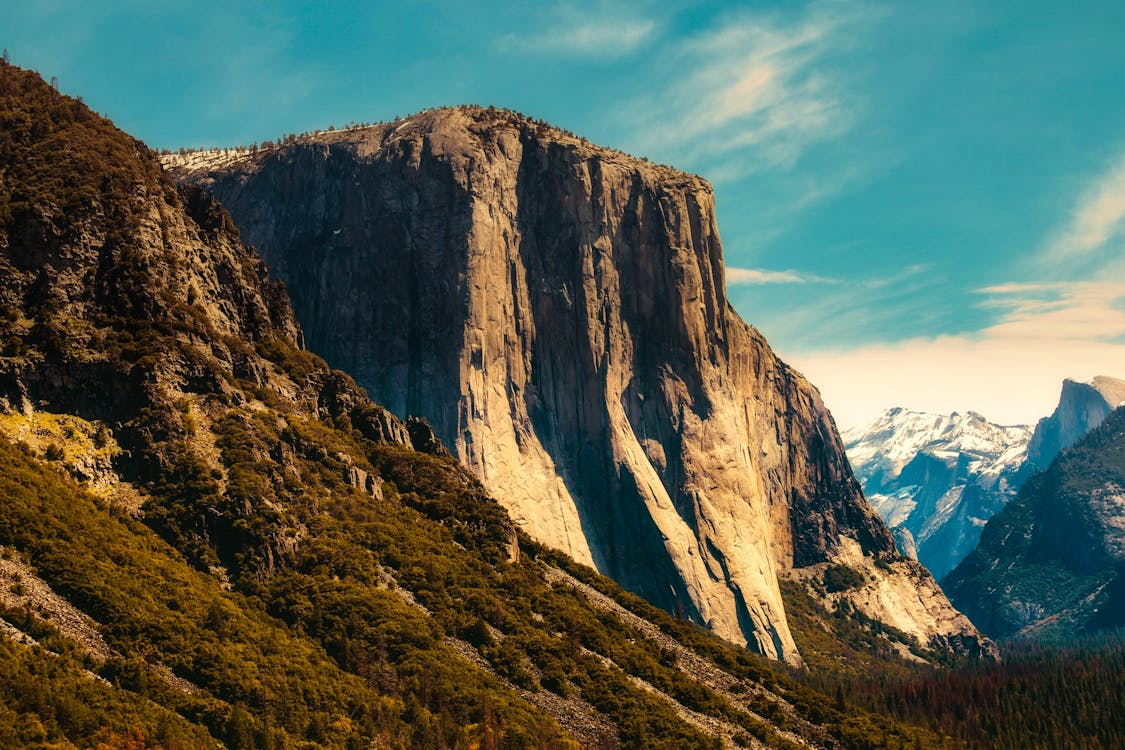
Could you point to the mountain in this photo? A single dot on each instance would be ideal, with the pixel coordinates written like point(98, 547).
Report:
point(208, 538)
point(937, 479)
point(1082, 407)
point(557, 311)
point(1049, 566)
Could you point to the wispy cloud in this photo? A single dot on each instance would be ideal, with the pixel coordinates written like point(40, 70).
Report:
point(1086, 310)
point(606, 33)
point(754, 84)
point(1098, 218)
point(839, 308)
point(752, 276)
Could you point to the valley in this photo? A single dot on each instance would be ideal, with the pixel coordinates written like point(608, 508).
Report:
point(545, 488)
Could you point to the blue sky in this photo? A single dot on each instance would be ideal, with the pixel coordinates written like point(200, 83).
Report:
point(921, 204)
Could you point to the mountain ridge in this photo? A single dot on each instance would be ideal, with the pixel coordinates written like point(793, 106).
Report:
point(937, 479)
point(1049, 565)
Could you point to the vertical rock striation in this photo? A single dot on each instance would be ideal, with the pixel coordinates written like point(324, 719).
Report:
point(1082, 407)
point(558, 313)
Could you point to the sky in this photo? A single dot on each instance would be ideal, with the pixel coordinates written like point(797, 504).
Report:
point(921, 204)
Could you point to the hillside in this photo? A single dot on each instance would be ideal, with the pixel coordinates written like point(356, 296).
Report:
point(1048, 567)
point(208, 537)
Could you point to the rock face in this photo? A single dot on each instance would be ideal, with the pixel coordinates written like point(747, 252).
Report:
point(1050, 564)
point(1082, 407)
point(936, 480)
point(558, 313)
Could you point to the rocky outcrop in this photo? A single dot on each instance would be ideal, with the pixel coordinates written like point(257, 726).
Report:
point(1082, 407)
point(937, 479)
point(1051, 564)
point(558, 313)
point(120, 291)
point(901, 594)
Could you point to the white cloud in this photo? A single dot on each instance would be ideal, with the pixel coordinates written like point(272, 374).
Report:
point(1059, 312)
point(1010, 371)
point(750, 276)
point(605, 34)
point(756, 85)
point(1098, 218)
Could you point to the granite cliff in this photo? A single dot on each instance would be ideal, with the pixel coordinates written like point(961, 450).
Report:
point(557, 311)
point(1081, 408)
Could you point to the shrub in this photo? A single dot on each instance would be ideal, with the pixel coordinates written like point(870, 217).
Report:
point(839, 578)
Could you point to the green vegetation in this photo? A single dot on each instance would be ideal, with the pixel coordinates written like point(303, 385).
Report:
point(58, 158)
point(154, 608)
point(1036, 697)
point(1044, 567)
point(829, 719)
point(1048, 698)
point(839, 578)
point(47, 699)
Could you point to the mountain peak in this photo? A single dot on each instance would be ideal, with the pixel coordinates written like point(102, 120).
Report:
point(917, 470)
point(1082, 407)
point(451, 131)
point(1112, 389)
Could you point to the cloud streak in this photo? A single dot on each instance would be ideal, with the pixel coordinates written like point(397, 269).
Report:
point(754, 276)
point(753, 85)
point(584, 33)
point(1009, 371)
point(1098, 218)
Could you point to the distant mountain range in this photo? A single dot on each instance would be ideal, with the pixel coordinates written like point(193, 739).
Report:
point(935, 480)
point(1051, 564)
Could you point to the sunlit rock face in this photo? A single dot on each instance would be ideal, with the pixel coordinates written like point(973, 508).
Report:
point(558, 313)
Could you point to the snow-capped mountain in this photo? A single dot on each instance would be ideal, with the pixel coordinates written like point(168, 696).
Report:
point(937, 479)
